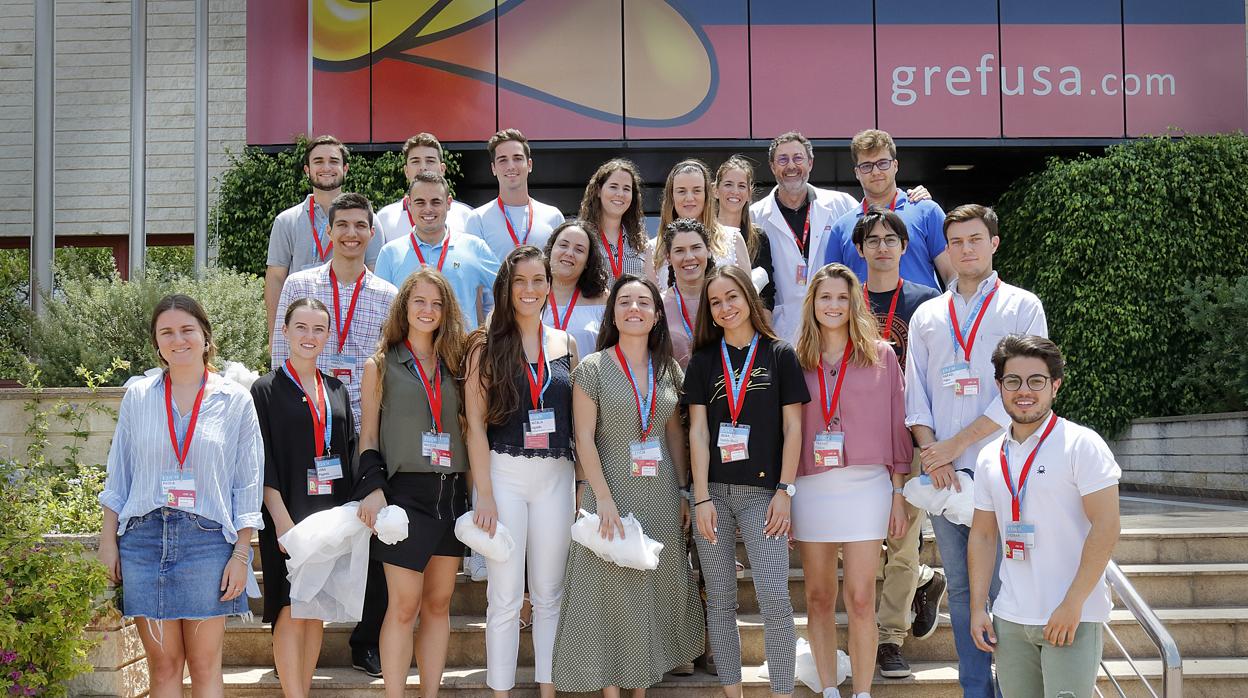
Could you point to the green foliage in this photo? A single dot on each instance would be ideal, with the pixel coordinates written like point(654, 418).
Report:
point(258, 185)
point(1215, 377)
point(1108, 243)
point(14, 310)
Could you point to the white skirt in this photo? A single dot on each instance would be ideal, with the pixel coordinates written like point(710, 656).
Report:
point(843, 505)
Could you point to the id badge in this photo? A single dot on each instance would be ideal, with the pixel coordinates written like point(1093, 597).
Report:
point(952, 372)
point(800, 275)
point(1015, 550)
point(734, 442)
point(342, 367)
point(178, 489)
point(1022, 531)
point(317, 486)
point(536, 440)
point(830, 449)
point(328, 468)
point(437, 447)
point(646, 455)
point(966, 387)
point(542, 421)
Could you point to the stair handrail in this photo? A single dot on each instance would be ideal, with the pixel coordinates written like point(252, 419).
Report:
point(1171, 661)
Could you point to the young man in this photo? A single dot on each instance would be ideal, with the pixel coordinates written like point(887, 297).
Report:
point(513, 218)
point(1049, 488)
point(874, 155)
point(881, 237)
point(465, 260)
point(421, 153)
point(299, 239)
point(951, 402)
point(359, 301)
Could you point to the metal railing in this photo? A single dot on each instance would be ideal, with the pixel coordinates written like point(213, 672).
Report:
point(1171, 662)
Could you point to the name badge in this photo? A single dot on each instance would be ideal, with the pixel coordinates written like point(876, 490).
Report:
point(966, 387)
point(436, 446)
point(317, 486)
point(800, 275)
point(536, 440)
point(952, 372)
point(1022, 531)
point(542, 421)
point(646, 456)
point(178, 489)
point(328, 468)
point(734, 442)
point(830, 449)
point(342, 367)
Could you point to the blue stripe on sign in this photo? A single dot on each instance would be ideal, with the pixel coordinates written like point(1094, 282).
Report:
point(1183, 11)
point(1061, 12)
point(936, 12)
point(810, 12)
point(712, 12)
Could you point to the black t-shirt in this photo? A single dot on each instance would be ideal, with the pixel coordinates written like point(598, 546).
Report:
point(775, 381)
point(912, 296)
point(796, 218)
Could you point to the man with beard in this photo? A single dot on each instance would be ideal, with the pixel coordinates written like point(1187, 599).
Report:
point(300, 236)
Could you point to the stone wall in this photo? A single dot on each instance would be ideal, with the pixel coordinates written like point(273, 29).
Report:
point(14, 421)
point(1203, 455)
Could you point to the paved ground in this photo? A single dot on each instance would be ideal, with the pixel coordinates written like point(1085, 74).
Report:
point(1161, 511)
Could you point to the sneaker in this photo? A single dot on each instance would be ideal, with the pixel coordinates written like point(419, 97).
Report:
point(892, 665)
point(831, 692)
point(926, 606)
point(474, 565)
point(367, 661)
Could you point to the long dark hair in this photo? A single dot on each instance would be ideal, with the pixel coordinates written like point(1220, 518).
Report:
point(499, 342)
point(659, 342)
point(593, 279)
point(633, 221)
point(707, 333)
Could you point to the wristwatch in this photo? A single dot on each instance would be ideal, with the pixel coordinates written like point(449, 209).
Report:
point(788, 489)
point(898, 490)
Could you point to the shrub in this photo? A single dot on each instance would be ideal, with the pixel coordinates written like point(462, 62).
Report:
point(1108, 243)
point(1215, 377)
point(258, 185)
point(14, 309)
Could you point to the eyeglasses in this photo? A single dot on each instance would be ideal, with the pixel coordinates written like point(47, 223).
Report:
point(785, 160)
point(882, 165)
point(1036, 381)
point(890, 241)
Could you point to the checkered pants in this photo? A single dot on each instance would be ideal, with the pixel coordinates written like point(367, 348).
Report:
point(744, 507)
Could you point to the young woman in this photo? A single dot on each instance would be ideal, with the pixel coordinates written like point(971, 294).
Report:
point(184, 476)
point(733, 190)
point(685, 196)
point(309, 439)
point(631, 447)
point(854, 459)
point(412, 454)
point(612, 203)
point(519, 436)
point(743, 383)
point(686, 244)
point(578, 285)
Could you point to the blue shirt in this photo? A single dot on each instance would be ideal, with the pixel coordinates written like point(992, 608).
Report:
point(925, 224)
point(486, 222)
point(470, 267)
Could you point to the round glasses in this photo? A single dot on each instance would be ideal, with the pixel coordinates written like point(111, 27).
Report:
point(1036, 381)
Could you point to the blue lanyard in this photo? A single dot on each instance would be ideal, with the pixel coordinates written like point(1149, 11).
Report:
point(541, 357)
point(967, 323)
point(684, 317)
point(734, 383)
point(329, 415)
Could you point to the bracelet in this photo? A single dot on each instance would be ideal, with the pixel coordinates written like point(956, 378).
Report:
point(582, 482)
point(241, 557)
point(704, 501)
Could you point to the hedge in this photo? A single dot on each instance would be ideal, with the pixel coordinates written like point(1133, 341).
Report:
point(1109, 243)
point(258, 185)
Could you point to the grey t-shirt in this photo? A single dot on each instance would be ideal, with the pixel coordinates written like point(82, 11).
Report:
point(291, 244)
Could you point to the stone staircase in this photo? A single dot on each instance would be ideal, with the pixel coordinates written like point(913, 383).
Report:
point(1195, 578)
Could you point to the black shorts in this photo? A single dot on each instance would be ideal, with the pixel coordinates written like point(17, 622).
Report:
point(432, 501)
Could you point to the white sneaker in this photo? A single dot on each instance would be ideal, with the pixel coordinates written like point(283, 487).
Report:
point(864, 694)
point(831, 692)
point(474, 565)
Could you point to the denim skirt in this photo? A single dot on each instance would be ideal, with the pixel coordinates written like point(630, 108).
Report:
point(171, 567)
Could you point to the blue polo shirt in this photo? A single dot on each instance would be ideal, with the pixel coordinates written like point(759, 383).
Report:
point(924, 222)
point(469, 266)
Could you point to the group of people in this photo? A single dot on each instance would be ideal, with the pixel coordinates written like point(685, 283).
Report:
point(770, 372)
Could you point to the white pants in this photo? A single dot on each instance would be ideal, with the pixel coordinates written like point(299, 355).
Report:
point(536, 502)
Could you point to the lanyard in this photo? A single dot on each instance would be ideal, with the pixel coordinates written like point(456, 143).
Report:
point(433, 389)
point(567, 314)
point(892, 309)
point(318, 407)
point(645, 408)
point(960, 336)
point(446, 245)
point(684, 311)
point(321, 253)
point(344, 329)
point(829, 406)
point(512, 231)
point(541, 376)
point(1016, 495)
point(737, 384)
point(801, 242)
point(617, 267)
point(892, 206)
point(181, 451)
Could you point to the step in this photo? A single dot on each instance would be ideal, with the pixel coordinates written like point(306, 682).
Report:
point(1218, 677)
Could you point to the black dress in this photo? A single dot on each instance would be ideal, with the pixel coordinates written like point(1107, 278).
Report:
point(286, 426)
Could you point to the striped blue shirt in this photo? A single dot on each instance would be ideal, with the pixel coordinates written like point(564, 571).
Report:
point(225, 457)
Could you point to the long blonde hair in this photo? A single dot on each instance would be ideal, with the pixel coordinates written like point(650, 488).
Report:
point(863, 330)
point(448, 340)
point(749, 231)
point(717, 238)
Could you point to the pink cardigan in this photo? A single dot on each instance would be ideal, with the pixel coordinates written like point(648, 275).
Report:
point(872, 412)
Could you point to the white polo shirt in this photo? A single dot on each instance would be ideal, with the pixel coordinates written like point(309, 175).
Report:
point(1072, 463)
point(396, 224)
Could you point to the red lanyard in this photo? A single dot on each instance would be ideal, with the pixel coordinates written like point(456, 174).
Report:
point(316, 407)
point(892, 206)
point(321, 253)
point(1016, 495)
point(344, 329)
point(181, 451)
point(433, 390)
point(567, 314)
point(968, 342)
point(512, 231)
point(646, 416)
point(617, 268)
point(892, 309)
point(801, 244)
point(829, 408)
point(446, 245)
point(736, 390)
point(538, 379)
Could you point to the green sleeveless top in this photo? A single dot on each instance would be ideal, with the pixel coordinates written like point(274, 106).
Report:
point(405, 417)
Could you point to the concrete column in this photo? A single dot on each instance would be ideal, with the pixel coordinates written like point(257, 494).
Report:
point(42, 241)
point(138, 138)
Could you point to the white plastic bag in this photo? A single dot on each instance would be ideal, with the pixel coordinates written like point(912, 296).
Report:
point(328, 565)
point(956, 506)
point(635, 549)
point(498, 548)
point(806, 671)
point(392, 524)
